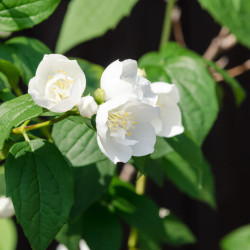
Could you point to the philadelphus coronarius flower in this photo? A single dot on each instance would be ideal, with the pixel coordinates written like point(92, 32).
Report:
point(58, 84)
point(124, 128)
point(135, 112)
point(6, 207)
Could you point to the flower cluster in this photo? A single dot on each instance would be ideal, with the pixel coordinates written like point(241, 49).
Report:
point(131, 110)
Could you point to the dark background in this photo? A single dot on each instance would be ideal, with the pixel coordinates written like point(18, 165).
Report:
point(227, 146)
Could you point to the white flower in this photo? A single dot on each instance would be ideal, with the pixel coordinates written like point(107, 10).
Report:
point(58, 84)
point(124, 128)
point(87, 106)
point(121, 78)
point(6, 207)
point(82, 246)
point(168, 123)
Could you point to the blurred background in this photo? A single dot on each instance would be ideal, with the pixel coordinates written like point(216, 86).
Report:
point(227, 146)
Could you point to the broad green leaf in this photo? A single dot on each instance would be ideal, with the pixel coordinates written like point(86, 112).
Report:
point(8, 234)
point(6, 95)
point(87, 19)
point(77, 142)
point(93, 74)
point(188, 170)
point(177, 232)
point(238, 239)
point(40, 184)
point(4, 83)
point(98, 226)
point(91, 182)
point(2, 183)
point(25, 53)
point(198, 100)
point(234, 14)
point(23, 14)
point(14, 112)
point(138, 211)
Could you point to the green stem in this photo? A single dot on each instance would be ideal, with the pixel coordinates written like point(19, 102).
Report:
point(21, 129)
point(166, 29)
point(139, 189)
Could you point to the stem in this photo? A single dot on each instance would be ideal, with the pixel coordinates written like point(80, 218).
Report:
point(166, 29)
point(20, 130)
point(26, 137)
point(139, 189)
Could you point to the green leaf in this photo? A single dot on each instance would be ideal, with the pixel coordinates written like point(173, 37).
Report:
point(40, 184)
point(93, 74)
point(98, 226)
point(2, 183)
point(198, 100)
point(138, 211)
point(14, 112)
point(77, 142)
point(92, 18)
point(25, 53)
point(91, 182)
point(188, 170)
point(234, 14)
point(8, 235)
point(23, 14)
point(90, 122)
point(6, 95)
point(177, 232)
point(238, 239)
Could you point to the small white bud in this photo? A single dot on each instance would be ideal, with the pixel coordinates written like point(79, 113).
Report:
point(87, 106)
point(6, 207)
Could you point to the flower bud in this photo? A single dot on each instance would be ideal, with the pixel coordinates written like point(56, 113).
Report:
point(100, 96)
point(87, 106)
point(6, 207)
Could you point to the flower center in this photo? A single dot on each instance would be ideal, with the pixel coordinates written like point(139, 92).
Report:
point(58, 86)
point(121, 121)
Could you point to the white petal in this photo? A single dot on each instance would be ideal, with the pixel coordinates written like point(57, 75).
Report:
point(129, 69)
point(6, 207)
point(145, 135)
point(114, 151)
point(170, 120)
point(166, 88)
point(61, 247)
point(83, 245)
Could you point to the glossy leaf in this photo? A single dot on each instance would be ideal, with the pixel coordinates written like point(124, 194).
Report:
point(2, 183)
point(238, 239)
point(188, 170)
point(77, 143)
point(23, 14)
point(25, 53)
point(234, 14)
point(177, 232)
point(91, 182)
point(8, 234)
point(87, 19)
point(40, 184)
point(14, 112)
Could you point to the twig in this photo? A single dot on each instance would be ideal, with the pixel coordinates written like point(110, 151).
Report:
point(224, 41)
point(177, 28)
point(233, 72)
